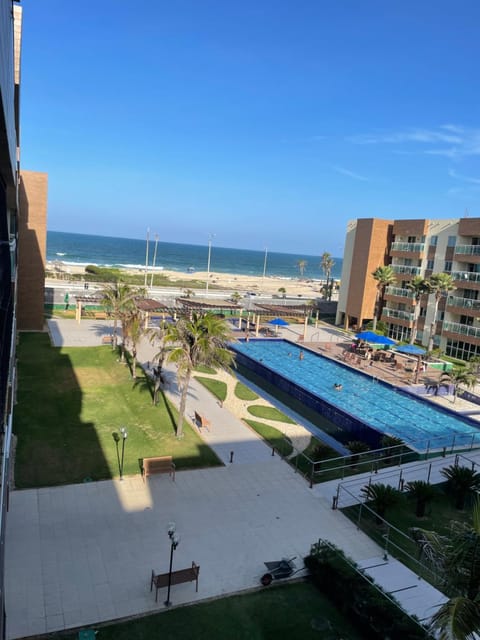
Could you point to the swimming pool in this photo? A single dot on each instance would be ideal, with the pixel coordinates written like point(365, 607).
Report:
point(365, 407)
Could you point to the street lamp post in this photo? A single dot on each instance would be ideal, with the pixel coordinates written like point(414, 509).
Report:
point(264, 266)
point(124, 434)
point(154, 259)
point(208, 260)
point(174, 542)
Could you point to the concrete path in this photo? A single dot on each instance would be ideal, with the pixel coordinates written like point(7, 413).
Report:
point(82, 554)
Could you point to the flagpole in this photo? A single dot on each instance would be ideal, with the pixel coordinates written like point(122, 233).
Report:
point(146, 257)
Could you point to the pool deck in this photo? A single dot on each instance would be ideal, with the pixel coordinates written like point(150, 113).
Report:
point(82, 554)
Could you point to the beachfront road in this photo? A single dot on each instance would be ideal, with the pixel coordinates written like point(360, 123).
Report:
point(55, 293)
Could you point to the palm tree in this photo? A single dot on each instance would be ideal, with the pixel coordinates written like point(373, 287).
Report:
point(199, 340)
point(418, 286)
point(119, 298)
point(459, 375)
point(133, 330)
point(385, 276)
point(302, 265)
point(439, 284)
point(356, 447)
point(235, 297)
point(327, 264)
point(283, 291)
point(457, 559)
point(460, 481)
point(423, 493)
point(381, 496)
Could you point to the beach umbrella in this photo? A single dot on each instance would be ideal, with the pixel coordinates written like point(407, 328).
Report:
point(374, 338)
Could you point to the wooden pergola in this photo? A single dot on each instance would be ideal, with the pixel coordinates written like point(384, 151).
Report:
point(191, 304)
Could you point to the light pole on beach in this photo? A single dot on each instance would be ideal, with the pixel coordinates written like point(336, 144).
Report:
point(264, 266)
point(146, 257)
point(124, 434)
point(154, 259)
point(208, 260)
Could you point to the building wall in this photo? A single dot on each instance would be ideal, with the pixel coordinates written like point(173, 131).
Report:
point(32, 239)
point(369, 251)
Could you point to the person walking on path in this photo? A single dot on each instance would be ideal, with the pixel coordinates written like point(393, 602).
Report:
point(66, 299)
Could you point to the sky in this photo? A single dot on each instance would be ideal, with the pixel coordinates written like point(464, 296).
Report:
point(263, 123)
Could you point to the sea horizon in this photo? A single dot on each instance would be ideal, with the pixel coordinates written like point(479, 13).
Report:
point(79, 249)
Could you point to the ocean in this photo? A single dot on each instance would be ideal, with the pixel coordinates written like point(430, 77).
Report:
point(80, 249)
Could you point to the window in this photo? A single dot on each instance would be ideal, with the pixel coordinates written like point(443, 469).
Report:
point(452, 241)
point(429, 265)
point(448, 266)
point(412, 239)
point(433, 241)
point(423, 312)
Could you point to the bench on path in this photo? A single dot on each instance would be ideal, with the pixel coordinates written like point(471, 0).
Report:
point(107, 339)
point(201, 421)
point(160, 464)
point(160, 580)
point(100, 315)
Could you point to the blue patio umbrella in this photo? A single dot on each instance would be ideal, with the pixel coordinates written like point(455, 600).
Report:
point(374, 338)
point(279, 322)
point(411, 349)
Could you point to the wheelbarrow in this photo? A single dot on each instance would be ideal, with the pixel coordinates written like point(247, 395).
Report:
point(277, 570)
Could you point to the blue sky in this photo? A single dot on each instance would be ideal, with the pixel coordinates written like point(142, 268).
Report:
point(267, 123)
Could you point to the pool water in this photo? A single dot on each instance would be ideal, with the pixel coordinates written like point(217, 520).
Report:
point(419, 423)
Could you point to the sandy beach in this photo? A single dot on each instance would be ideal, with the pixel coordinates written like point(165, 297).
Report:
point(232, 282)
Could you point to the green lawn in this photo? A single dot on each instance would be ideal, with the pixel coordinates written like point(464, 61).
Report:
point(269, 413)
point(272, 435)
point(291, 611)
point(217, 387)
point(71, 401)
point(244, 393)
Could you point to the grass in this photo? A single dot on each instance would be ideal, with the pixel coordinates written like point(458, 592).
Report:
point(269, 413)
point(438, 517)
point(217, 387)
point(71, 401)
point(244, 393)
point(204, 369)
point(273, 436)
point(290, 610)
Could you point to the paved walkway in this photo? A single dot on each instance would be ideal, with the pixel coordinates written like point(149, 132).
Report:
point(82, 554)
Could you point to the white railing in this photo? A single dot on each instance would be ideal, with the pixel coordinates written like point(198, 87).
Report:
point(461, 329)
point(402, 268)
point(398, 291)
point(467, 276)
point(465, 303)
point(416, 247)
point(468, 249)
point(396, 313)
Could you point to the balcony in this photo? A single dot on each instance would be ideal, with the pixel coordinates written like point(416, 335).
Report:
point(399, 292)
point(466, 276)
point(403, 269)
point(468, 249)
point(461, 329)
point(413, 247)
point(463, 303)
point(399, 315)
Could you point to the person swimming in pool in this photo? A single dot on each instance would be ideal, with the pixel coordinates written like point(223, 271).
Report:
point(338, 386)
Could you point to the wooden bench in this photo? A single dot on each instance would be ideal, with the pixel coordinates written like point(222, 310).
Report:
point(100, 315)
point(201, 421)
point(161, 464)
point(160, 580)
point(106, 339)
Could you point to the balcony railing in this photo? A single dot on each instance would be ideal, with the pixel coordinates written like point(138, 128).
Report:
point(396, 313)
point(461, 329)
point(416, 247)
point(468, 249)
point(465, 303)
point(398, 291)
point(401, 268)
point(467, 276)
